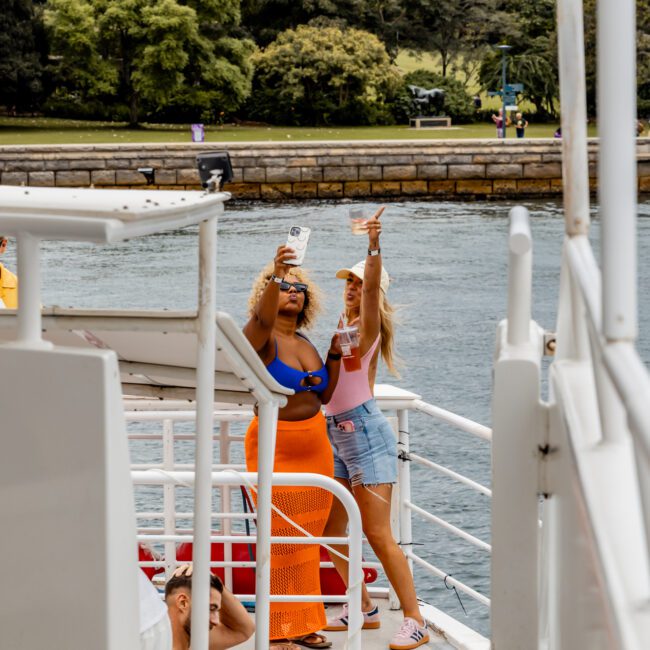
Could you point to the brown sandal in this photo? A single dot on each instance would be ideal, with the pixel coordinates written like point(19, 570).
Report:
point(283, 644)
point(320, 642)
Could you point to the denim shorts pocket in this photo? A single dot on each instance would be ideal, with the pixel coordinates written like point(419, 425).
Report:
point(381, 433)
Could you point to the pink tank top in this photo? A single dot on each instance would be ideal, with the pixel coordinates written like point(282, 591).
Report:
point(352, 388)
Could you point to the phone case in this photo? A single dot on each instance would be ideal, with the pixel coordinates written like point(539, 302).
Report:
point(297, 239)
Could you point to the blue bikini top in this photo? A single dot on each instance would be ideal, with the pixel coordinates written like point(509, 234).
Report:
point(292, 378)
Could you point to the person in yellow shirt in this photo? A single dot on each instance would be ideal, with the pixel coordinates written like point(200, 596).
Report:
point(8, 281)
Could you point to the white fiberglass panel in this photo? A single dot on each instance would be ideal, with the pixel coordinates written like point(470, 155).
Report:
point(125, 205)
point(102, 215)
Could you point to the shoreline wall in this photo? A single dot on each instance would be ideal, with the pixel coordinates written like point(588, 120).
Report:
point(278, 171)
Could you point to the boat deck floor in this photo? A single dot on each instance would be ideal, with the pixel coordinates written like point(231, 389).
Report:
point(373, 639)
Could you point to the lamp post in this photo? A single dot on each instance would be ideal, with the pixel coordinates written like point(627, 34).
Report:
point(504, 51)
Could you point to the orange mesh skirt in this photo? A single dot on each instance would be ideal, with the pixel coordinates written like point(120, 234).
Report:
point(295, 568)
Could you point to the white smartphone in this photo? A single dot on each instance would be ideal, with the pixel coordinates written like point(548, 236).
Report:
point(297, 239)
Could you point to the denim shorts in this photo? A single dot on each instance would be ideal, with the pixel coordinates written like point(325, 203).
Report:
point(364, 444)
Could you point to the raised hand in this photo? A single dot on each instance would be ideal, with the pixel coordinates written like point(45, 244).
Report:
point(335, 345)
point(282, 255)
point(373, 225)
point(183, 569)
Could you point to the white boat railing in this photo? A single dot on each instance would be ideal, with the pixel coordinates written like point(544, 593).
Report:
point(408, 507)
point(585, 452)
point(229, 478)
point(168, 535)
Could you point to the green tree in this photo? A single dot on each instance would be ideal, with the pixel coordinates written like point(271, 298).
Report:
point(326, 75)
point(642, 61)
point(451, 28)
point(387, 19)
point(22, 51)
point(643, 57)
point(81, 73)
point(150, 53)
point(531, 31)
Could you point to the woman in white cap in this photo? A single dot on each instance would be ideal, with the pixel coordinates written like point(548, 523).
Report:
point(365, 449)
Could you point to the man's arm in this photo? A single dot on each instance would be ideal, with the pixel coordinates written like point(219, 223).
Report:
point(235, 624)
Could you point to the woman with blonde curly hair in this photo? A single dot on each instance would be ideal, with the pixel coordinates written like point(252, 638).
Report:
point(283, 299)
point(365, 449)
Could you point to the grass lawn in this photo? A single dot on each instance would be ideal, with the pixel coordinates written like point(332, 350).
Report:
point(25, 131)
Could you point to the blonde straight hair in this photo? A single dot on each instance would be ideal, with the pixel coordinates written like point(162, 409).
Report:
point(386, 330)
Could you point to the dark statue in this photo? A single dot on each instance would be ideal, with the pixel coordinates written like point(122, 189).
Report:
point(427, 102)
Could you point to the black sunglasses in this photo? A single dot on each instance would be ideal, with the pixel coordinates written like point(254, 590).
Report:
point(300, 287)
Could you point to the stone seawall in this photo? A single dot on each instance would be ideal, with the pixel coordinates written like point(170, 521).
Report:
point(312, 170)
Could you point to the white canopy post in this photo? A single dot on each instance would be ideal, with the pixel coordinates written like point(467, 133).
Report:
point(268, 422)
point(29, 292)
point(575, 162)
point(205, 372)
point(617, 174)
point(520, 270)
point(519, 426)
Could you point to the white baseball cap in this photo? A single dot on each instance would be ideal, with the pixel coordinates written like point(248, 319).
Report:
point(358, 270)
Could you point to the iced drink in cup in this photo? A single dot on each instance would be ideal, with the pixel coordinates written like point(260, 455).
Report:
point(349, 340)
point(358, 221)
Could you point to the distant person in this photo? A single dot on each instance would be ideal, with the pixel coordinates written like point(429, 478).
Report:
point(558, 132)
point(478, 102)
point(498, 121)
point(8, 281)
point(520, 125)
point(230, 623)
point(640, 127)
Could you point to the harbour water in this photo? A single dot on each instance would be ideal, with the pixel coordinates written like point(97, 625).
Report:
point(448, 264)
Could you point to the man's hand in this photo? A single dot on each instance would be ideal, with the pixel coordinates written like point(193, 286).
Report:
point(183, 570)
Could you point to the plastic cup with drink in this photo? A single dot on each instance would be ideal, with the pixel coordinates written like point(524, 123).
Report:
point(358, 221)
point(349, 340)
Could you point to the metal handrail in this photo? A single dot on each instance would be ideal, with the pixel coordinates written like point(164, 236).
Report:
point(181, 467)
point(458, 421)
point(178, 436)
point(224, 418)
point(353, 540)
point(450, 527)
point(621, 360)
point(222, 415)
point(472, 593)
point(425, 462)
point(520, 268)
point(406, 504)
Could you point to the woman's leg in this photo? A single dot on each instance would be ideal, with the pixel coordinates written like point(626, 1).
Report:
point(336, 526)
point(374, 504)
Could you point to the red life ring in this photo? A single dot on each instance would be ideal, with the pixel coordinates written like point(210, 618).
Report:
point(330, 580)
point(244, 578)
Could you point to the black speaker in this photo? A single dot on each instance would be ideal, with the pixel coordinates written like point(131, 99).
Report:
point(214, 168)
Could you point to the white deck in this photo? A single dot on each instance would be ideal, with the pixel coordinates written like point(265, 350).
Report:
point(373, 639)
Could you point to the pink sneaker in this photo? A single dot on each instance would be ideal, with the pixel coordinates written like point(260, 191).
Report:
point(410, 635)
point(339, 623)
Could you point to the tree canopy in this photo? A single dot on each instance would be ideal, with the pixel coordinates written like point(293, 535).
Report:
point(194, 60)
point(156, 54)
point(325, 75)
point(22, 52)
